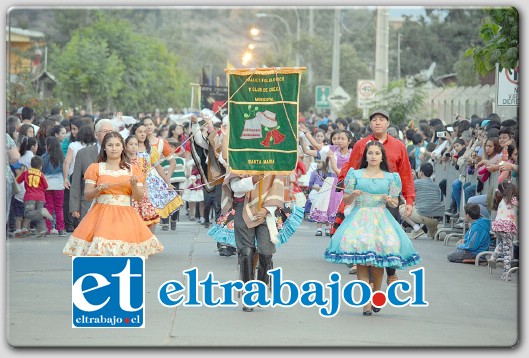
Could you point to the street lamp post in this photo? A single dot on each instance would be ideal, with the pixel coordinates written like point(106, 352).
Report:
point(298, 31)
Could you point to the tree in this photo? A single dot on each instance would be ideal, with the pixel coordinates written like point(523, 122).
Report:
point(108, 66)
point(402, 104)
point(500, 36)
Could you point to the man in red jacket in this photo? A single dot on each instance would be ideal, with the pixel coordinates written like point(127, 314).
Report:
point(397, 160)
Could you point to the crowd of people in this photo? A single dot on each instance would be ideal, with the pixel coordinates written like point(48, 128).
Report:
point(362, 184)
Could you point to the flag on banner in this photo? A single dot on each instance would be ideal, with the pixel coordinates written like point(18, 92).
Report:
point(263, 107)
point(206, 81)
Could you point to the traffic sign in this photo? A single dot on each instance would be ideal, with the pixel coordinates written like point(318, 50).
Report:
point(339, 97)
point(322, 97)
point(365, 93)
point(507, 87)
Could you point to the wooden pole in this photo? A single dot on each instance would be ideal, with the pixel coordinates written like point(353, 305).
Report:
point(259, 202)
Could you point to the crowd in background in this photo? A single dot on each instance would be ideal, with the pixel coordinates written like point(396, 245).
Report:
point(473, 145)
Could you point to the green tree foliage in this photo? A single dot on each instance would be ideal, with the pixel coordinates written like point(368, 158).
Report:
point(109, 67)
point(500, 36)
point(402, 104)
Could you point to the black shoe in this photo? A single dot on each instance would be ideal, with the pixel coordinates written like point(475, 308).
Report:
point(367, 313)
point(165, 227)
point(376, 309)
point(223, 251)
point(229, 251)
point(69, 229)
point(173, 225)
point(207, 225)
point(247, 309)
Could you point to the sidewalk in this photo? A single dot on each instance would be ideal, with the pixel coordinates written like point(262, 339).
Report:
point(467, 306)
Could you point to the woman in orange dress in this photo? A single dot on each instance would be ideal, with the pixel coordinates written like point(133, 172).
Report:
point(112, 227)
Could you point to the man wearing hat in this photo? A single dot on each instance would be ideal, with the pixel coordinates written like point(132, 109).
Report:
point(398, 161)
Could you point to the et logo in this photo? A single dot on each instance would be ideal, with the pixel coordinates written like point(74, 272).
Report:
point(108, 292)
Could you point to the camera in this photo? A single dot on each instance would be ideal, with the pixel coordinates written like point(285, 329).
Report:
point(450, 129)
point(440, 134)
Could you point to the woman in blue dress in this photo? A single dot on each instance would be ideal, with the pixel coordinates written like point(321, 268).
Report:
point(370, 237)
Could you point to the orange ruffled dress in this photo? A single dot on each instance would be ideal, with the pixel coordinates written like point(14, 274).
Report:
point(112, 227)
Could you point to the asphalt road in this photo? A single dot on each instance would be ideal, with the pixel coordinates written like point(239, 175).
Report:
point(468, 307)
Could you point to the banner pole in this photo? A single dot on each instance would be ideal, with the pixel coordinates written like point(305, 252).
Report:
point(259, 202)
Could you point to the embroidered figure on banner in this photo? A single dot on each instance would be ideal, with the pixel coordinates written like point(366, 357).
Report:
point(253, 127)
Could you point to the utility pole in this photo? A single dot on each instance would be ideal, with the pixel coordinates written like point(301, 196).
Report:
point(335, 77)
point(310, 74)
point(382, 48)
point(398, 56)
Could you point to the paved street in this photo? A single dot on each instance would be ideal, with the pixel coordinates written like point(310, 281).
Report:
point(467, 306)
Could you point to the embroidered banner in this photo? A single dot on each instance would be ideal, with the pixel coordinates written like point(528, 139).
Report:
point(263, 110)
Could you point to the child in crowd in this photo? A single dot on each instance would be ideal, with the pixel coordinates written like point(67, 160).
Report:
point(477, 238)
point(505, 225)
point(35, 184)
point(52, 167)
point(315, 183)
point(193, 192)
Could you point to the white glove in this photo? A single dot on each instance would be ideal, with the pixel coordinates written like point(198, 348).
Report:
point(272, 228)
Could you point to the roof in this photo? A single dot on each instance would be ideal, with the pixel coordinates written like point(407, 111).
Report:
point(23, 32)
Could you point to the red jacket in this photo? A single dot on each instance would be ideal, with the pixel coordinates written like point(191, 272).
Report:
point(397, 160)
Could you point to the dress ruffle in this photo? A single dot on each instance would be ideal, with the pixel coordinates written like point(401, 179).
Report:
point(369, 258)
point(100, 246)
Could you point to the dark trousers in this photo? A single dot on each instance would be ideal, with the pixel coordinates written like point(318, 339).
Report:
point(246, 237)
point(212, 200)
point(70, 223)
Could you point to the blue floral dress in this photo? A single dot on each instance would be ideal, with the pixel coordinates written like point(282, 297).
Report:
point(370, 235)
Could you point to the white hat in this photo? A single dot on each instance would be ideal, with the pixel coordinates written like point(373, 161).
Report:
point(207, 113)
point(129, 120)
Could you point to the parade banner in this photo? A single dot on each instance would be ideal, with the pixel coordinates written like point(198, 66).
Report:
point(263, 109)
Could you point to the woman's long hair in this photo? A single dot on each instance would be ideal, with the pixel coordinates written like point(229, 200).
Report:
point(124, 161)
point(133, 130)
point(53, 148)
point(384, 164)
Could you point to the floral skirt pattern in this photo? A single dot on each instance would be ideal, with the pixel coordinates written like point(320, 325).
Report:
point(371, 236)
point(164, 198)
point(146, 210)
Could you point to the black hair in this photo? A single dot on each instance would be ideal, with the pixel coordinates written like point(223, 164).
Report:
point(426, 169)
point(27, 113)
point(416, 138)
point(26, 143)
point(384, 164)
point(434, 122)
point(53, 147)
point(56, 129)
point(135, 127)
point(86, 134)
point(472, 210)
point(36, 162)
point(23, 130)
point(506, 130)
point(123, 163)
point(409, 133)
